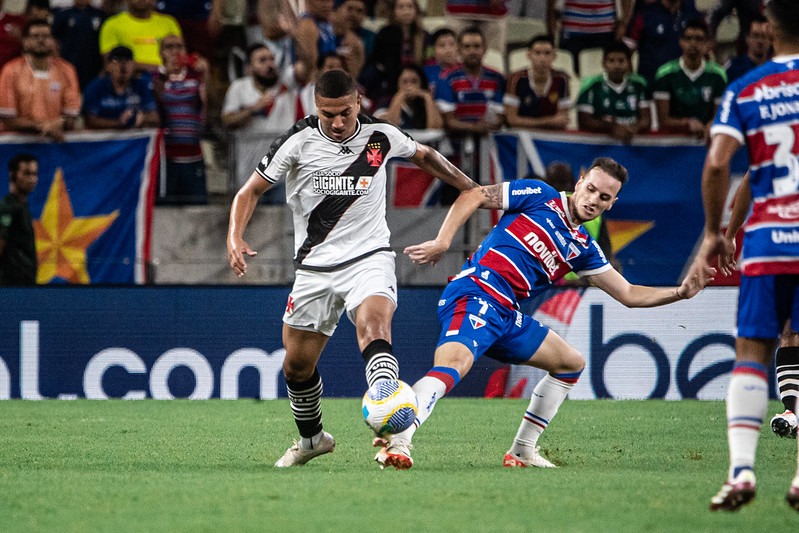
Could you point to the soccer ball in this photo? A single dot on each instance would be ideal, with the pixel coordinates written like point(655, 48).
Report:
point(389, 406)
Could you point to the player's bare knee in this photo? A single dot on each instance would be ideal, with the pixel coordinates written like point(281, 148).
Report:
point(572, 361)
point(297, 370)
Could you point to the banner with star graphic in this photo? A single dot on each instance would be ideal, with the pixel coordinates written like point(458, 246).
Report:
point(92, 206)
point(657, 222)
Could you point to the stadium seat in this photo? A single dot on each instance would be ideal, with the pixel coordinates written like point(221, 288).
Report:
point(563, 61)
point(374, 24)
point(706, 5)
point(590, 61)
point(431, 24)
point(517, 60)
point(727, 31)
point(522, 29)
point(495, 59)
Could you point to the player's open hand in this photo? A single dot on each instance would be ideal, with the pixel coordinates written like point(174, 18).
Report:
point(696, 280)
point(236, 250)
point(727, 258)
point(427, 252)
point(712, 247)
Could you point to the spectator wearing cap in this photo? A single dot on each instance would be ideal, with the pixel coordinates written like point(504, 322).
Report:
point(118, 99)
point(77, 30)
point(39, 92)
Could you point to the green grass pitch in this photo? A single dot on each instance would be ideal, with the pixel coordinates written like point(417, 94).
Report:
point(86, 466)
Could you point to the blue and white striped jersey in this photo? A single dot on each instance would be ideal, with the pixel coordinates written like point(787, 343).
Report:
point(534, 244)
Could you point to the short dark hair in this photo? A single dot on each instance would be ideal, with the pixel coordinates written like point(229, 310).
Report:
point(471, 30)
point(15, 162)
point(335, 84)
point(252, 49)
point(560, 176)
point(443, 32)
point(424, 83)
point(610, 167)
point(320, 61)
point(541, 38)
point(785, 17)
point(696, 24)
point(616, 46)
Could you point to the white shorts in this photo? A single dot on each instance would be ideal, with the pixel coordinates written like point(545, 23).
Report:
point(317, 299)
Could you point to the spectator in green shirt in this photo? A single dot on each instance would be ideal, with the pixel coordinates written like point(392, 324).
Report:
point(688, 90)
point(615, 102)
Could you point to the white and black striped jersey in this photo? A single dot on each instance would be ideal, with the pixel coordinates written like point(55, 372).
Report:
point(336, 190)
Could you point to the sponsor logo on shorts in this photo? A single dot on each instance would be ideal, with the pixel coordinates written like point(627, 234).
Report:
point(327, 182)
point(290, 305)
point(518, 319)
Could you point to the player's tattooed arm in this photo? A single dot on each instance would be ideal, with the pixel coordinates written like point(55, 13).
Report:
point(435, 164)
point(492, 197)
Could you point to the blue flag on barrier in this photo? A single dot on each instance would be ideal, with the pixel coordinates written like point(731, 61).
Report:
point(658, 219)
point(92, 206)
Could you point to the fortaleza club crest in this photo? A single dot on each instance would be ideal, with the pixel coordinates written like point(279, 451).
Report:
point(374, 156)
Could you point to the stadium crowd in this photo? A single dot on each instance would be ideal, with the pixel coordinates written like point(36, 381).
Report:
point(200, 71)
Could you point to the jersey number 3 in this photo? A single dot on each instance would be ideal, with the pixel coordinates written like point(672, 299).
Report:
point(783, 136)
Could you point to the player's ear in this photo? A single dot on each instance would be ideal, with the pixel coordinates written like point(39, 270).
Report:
point(611, 204)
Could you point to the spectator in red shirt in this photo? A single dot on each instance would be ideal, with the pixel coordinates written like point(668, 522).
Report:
point(10, 35)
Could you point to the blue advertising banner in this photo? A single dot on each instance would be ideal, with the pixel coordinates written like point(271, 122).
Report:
point(225, 342)
point(186, 342)
point(658, 219)
point(92, 207)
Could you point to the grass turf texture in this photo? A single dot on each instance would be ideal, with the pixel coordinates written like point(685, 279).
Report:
point(207, 466)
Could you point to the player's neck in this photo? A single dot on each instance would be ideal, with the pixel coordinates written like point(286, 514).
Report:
point(786, 48)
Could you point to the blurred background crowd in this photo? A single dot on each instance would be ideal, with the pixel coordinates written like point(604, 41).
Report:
point(206, 70)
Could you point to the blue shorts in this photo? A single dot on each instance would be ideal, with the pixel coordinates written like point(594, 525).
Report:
point(467, 315)
point(765, 303)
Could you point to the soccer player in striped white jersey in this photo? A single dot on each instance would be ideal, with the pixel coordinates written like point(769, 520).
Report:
point(538, 240)
point(786, 358)
point(334, 165)
point(759, 110)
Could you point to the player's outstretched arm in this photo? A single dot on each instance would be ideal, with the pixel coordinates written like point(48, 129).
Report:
point(469, 201)
point(631, 295)
point(435, 164)
point(240, 213)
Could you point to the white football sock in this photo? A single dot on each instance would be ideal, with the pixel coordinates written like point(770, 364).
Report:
point(547, 398)
point(747, 401)
point(429, 389)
